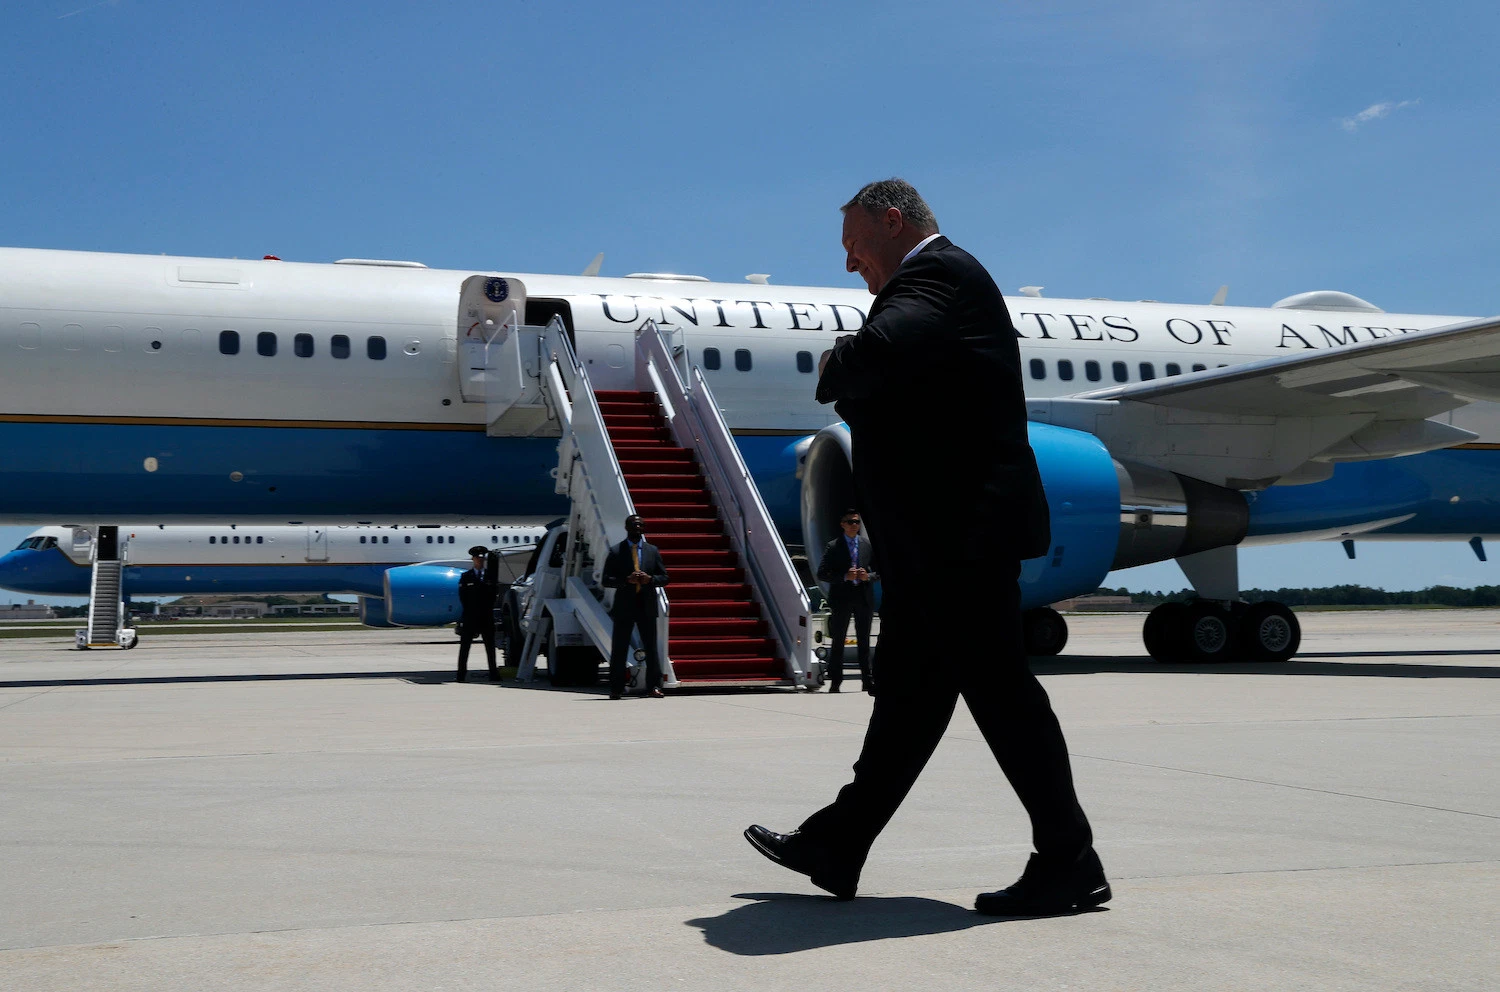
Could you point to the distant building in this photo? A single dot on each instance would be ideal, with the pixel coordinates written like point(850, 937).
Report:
point(234, 609)
point(1100, 604)
point(31, 611)
point(316, 610)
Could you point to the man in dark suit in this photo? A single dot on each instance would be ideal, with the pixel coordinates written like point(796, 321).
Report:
point(938, 329)
point(476, 594)
point(633, 568)
point(847, 567)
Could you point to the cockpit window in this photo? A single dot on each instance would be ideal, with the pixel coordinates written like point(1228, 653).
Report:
point(47, 542)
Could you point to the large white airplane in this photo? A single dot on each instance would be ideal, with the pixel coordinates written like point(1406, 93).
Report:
point(174, 389)
point(404, 576)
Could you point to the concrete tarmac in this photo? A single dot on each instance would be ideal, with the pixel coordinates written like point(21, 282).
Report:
point(331, 811)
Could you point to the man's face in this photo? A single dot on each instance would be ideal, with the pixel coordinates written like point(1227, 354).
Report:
point(870, 240)
point(478, 561)
point(851, 526)
point(633, 528)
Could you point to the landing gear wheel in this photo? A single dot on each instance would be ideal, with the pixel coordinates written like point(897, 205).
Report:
point(1207, 632)
point(1269, 632)
point(510, 640)
point(1044, 631)
point(1164, 632)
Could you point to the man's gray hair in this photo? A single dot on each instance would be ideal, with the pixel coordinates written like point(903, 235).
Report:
point(880, 196)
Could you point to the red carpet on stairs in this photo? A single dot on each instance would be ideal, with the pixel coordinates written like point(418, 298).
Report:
point(716, 632)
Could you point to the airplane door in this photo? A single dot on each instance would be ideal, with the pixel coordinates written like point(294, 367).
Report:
point(317, 544)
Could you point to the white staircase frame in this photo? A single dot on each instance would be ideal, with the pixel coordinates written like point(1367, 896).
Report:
point(697, 424)
point(106, 620)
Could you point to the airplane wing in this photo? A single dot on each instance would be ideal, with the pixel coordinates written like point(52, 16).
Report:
point(1252, 425)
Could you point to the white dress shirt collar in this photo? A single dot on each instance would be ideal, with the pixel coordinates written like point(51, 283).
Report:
point(920, 245)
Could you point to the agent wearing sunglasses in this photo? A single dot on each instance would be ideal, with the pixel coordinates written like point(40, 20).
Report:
point(848, 568)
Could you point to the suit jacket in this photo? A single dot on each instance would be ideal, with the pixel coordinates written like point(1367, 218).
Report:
point(477, 597)
point(629, 603)
point(835, 562)
point(939, 339)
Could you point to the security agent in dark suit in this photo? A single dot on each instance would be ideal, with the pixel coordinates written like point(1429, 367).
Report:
point(847, 567)
point(477, 589)
point(939, 328)
point(634, 569)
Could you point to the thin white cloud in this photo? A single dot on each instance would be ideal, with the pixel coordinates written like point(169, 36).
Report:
point(84, 10)
point(1374, 112)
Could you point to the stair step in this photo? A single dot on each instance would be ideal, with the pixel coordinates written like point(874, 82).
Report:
point(637, 434)
point(681, 525)
point(713, 608)
point(727, 669)
point(691, 542)
point(709, 590)
point(688, 558)
point(695, 627)
point(687, 483)
point(646, 466)
point(614, 421)
point(697, 576)
point(721, 647)
point(626, 395)
point(655, 453)
point(650, 497)
point(650, 509)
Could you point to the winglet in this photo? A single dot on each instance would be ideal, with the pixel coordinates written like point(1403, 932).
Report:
point(593, 267)
point(1220, 296)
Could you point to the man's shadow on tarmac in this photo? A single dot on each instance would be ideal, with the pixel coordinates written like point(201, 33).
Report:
point(785, 923)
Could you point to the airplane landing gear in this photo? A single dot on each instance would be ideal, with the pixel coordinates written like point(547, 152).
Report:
point(1206, 631)
point(1045, 632)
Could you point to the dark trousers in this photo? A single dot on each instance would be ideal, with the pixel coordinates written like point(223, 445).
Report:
point(838, 632)
point(486, 633)
point(926, 661)
point(619, 651)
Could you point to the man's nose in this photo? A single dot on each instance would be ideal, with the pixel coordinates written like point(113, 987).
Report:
point(850, 265)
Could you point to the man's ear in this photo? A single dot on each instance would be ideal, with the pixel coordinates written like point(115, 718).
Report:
point(894, 222)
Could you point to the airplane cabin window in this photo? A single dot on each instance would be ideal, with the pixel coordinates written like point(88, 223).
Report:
point(265, 344)
point(1120, 371)
point(1174, 369)
point(804, 362)
point(451, 539)
point(1199, 368)
point(260, 540)
point(429, 538)
point(1064, 369)
point(408, 538)
point(1038, 369)
point(338, 346)
point(229, 342)
point(385, 540)
point(302, 345)
point(711, 359)
point(361, 540)
point(1148, 371)
point(1091, 371)
point(212, 539)
point(375, 347)
point(742, 359)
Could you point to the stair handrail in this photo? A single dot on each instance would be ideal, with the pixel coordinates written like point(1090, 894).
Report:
point(757, 540)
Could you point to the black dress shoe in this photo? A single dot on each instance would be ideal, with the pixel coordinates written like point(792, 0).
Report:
point(616, 695)
point(461, 678)
point(1046, 889)
point(800, 855)
point(834, 687)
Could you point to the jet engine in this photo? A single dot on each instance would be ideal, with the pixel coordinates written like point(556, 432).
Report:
point(1105, 515)
point(372, 612)
point(422, 595)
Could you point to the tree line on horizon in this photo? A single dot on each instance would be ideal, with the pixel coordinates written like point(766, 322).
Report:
point(1345, 595)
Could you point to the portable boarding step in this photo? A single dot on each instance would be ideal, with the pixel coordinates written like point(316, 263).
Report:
point(717, 633)
point(106, 627)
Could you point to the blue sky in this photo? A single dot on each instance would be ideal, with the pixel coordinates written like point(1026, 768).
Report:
point(1151, 149)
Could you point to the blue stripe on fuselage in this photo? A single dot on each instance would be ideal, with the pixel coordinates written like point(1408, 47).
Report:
point(52, 572)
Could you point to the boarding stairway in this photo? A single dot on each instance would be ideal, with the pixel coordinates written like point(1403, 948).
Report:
point(106, 627)
point(735, 612)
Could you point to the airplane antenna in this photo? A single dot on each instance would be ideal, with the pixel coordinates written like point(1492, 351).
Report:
point(1220, 296)
point(759, 278)
point(1033, 291)
point(593, 267)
